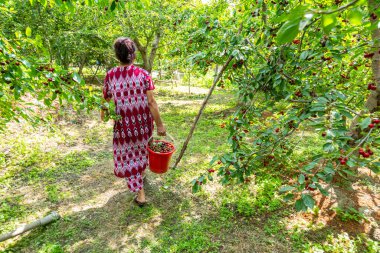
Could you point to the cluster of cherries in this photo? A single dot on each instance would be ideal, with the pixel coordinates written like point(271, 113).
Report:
point(343, 160)
point(365, 153)
point(374, 122)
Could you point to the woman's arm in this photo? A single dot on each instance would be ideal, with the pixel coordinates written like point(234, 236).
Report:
point(103, 109)
point(153, 107)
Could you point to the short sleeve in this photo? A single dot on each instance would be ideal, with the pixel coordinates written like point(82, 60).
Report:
point(106, 88)
point(149, 83)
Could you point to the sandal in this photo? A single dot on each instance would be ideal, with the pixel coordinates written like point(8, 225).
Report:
point(139, 203)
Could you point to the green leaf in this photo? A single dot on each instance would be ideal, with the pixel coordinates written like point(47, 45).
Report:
point(328, 147)
point(300, 205)
point(28, 32)
point(328, 22)
point(308, 200)
point(322, 190)
point(113, 6)
point(346, 113)
point(365, 122)
point(349, 172)
point(286, 188)
point(310, 165)
point(288, 31)
point(329, 170)
point(355, 16)
point(297, 12)
point(301, 179)
point(213, 160)
point(196, 187)
point(77, 78)
point(288, 197)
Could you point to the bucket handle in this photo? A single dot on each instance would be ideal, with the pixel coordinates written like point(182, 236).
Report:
point(166, 135)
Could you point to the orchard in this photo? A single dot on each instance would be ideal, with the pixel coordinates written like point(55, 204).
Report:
point(275, 120)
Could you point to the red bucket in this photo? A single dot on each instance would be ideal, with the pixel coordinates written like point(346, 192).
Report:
point(159, 162)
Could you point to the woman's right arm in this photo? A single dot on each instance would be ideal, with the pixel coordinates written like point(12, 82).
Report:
point(153, 107)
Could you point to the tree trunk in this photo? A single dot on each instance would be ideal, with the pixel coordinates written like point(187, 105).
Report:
point(372, 103)
point(373, 99)
point(148, 59)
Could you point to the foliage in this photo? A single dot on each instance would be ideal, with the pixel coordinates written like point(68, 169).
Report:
point(344, 243)
point(297, 67)
point(349, 214)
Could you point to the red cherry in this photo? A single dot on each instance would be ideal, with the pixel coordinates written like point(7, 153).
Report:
point(211, 170)
point(370, 152)
point(368, 55)
point(219, 162)
point(323, 134)
point(366, 155)
point(296, 42)
point(50, 79)
point(371, 125)
point(342, 162)
point(277, 130)
point(361, 151)
point(376, 121)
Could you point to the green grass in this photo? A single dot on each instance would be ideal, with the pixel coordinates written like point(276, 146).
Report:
point(69, 168)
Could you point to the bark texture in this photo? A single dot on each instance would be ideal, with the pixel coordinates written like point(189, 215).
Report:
point(373, 102)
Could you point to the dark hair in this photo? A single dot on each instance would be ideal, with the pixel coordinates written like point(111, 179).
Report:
point(125, 50)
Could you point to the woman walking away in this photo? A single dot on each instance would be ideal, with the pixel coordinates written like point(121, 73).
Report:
point(131, 88)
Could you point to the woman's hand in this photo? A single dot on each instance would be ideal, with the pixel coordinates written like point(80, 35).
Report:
point(161, 130)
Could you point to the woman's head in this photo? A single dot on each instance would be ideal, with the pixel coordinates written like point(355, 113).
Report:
point(125, 50)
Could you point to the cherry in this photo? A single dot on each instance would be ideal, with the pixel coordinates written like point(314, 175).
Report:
point(324, 134)
point(375, 121)
point(371, 86)
point(277, 130)
point(219, 162)
point(17, 64)
point(368, 55)
point(211, 170)
point(361, 151)
point(369, 151)
point(296, 42)
point(371, 125)
point(366, 155)
point(50, 79)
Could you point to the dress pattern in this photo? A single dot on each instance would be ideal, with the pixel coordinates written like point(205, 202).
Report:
point(127, 86)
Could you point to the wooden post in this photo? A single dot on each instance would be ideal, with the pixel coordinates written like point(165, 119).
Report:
point(216, 79)
point(41, 222)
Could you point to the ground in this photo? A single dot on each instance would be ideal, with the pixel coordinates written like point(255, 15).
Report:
point(69, 169)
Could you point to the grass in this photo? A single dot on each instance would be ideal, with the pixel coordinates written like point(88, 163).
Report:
point(69, 169)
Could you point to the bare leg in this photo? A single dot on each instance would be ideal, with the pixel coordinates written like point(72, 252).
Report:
point(141, 195)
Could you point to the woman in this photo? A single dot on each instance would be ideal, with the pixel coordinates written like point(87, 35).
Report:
point(131, 88)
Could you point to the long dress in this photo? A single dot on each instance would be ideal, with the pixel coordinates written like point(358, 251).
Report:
point(127, 86)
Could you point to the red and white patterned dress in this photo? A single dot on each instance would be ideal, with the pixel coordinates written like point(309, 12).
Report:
point(127, 85)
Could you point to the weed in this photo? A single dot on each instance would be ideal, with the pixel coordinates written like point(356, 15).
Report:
point(349, 214)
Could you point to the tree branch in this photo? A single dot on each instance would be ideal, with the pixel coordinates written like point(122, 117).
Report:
point(339, 9)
